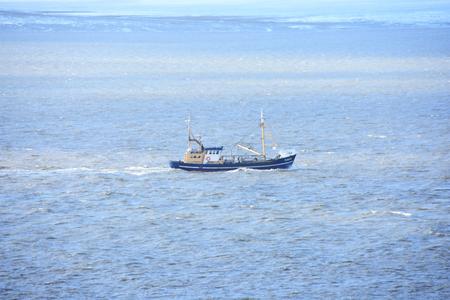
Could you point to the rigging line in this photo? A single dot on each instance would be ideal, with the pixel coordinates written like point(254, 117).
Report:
point(246, 136)
point(272, 140)
point(251, 132)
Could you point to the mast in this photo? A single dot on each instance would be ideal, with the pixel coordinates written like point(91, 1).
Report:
point(263, 144)
point(189, 131)
point(191, 137)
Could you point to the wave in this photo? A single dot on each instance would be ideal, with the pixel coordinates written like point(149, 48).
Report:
point(138, 171)
point(249, 170)
point(381, 214)
point(87, 21)
point(412, 18)
point(390, 212)
point(377, 136)
point(134, 170)
point(401, 213)
point(131, 170)
point(245, 170)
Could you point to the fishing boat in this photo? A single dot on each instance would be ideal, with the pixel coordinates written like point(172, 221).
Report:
point(209, 159)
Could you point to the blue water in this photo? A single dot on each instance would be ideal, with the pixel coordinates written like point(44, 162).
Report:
point(91, 117)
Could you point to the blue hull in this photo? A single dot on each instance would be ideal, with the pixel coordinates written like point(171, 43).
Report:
point(281, 163)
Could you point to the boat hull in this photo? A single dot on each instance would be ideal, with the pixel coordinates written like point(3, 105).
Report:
point(280, 163)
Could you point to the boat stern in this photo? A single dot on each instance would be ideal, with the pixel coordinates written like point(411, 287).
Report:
point(174, 164)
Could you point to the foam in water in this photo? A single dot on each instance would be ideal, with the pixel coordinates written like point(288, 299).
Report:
point(393, 212)
point(401, 213)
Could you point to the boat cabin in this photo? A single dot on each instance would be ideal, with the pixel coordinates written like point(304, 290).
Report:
point(213, 155)
point(204, 155)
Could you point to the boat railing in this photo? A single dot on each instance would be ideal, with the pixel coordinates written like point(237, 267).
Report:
point(241, 157)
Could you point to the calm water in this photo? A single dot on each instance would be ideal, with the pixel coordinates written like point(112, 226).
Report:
point(92, 113)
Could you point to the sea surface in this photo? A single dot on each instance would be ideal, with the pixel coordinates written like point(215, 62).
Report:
point(93, 108)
